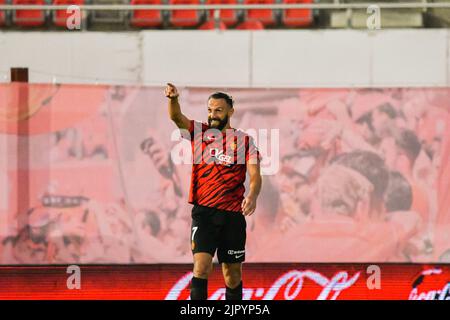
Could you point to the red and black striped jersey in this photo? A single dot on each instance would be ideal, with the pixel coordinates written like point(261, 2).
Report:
point(219, 166)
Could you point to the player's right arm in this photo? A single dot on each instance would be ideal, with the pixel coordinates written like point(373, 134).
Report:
point(175, 113)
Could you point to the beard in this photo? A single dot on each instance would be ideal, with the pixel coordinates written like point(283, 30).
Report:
point(219, 124)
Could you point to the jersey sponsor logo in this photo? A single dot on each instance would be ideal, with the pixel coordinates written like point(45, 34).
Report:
point(222, 158)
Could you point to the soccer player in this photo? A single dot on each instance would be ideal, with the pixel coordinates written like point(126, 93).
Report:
point(221, 157)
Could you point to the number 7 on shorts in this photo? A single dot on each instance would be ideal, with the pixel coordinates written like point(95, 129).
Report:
point(194, 229)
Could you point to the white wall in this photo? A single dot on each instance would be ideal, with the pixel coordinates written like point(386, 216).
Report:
point(196, 58)
point(72, 57)
point(317, 59)
point(272, 58)
point(413, 57)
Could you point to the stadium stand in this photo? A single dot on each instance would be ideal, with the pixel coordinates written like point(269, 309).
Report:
point(29, 18)
point(211, 24)
point(250, 25)
point(186, 18)
point(203, 19)
point(393, 18)
point(266, 16)
point(297, 17)
point(147, 18)
point(109, 19)
point(438, 17)
point(228, 17)
point(2, 14)
point(59, 17)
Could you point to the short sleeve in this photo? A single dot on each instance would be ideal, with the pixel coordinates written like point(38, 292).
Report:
point(189, 135)
point(252, 154)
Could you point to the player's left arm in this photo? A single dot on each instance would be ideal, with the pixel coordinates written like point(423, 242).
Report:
point(249, 202)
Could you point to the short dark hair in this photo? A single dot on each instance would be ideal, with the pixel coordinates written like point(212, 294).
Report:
point(367, 119)
point(407, 141)
point(222, 95)
point(388, 109)
point(399, 193)
point(370, 165)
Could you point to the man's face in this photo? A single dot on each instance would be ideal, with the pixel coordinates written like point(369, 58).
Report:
point(381, 123)
point(340, 190)
point(366, 133)
point(219, 113)
point(38, 234)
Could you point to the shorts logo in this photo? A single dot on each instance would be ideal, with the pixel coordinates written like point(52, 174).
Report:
point(234, 252)
point(237, 253)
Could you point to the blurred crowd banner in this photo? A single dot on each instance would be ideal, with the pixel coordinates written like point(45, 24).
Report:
point(87, 174)
point(291, 281)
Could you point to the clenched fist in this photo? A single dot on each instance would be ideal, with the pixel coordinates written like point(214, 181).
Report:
point(171, 91)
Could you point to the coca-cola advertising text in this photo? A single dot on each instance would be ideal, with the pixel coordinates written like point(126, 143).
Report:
point(260, 282)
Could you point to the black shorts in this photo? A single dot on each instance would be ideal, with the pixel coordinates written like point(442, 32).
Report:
point(215, 229)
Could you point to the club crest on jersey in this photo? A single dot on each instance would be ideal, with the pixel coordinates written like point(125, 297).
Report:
point(222, 158)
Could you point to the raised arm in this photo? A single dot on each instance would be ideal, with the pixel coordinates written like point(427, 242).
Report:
point(175, 113)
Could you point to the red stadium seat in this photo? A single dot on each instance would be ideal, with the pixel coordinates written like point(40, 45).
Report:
point(2, 14)
point(265, 16)
point(297, 17)
point(185, 18)
point(228, 16)
point(29, 18)
point(60, 16)
point(211, 24)
point(146, 18)
point(250, 25)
